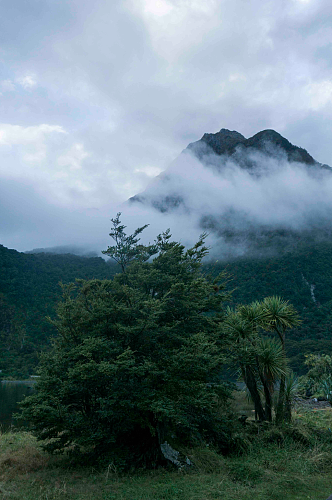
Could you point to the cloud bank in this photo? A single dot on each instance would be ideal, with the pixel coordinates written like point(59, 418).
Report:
point(96, 98)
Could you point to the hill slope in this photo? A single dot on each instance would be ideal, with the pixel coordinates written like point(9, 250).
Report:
point(29, 292)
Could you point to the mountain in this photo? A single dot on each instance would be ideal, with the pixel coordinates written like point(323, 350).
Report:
point(267, 204)
point(235, 146)
point(217, 150)
point(258, 196)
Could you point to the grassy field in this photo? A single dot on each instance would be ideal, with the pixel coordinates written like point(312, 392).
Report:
point(293, 463)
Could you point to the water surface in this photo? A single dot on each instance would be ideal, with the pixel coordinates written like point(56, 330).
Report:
point(11, 393)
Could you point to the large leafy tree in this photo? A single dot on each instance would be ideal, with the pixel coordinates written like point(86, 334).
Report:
point(137, 358)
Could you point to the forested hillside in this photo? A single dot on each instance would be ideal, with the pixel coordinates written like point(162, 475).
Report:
point(304, 278)
point(29, 291)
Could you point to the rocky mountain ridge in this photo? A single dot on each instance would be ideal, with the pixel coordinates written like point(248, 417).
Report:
point(233, 144)
point(260, 196)
point(229, 146)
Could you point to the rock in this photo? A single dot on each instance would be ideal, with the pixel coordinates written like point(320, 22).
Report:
point(174, 456)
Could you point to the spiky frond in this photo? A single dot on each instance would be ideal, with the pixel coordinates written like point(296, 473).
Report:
point(291, 385)
point(280, 315)
point(238, 326)
point(253, 313)
point(271, 358)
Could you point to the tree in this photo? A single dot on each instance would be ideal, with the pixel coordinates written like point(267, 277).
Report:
point(241, 326)
point(262, 360)
point(318, 379)
point(127, 248)
point(136, 360)
point(280, 316)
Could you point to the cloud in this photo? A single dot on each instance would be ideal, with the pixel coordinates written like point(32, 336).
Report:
point(243, 210)
point(130, 83)
point(11, 135)
point(27, 81)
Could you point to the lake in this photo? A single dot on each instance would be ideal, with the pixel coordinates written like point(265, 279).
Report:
point(11, 393)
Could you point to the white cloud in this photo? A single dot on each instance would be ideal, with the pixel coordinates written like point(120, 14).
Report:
point(130, 83)
point(63, 170)
point(27, 81)
point(157, 7)
point(149, 170)
point(73, 158)
point(11, 135)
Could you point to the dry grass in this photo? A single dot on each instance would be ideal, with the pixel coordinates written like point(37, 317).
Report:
point(268, 471)
point(205, 460)
point(20, 454)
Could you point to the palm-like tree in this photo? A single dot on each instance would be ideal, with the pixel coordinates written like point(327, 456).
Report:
point(243, 334)
point(271, 366)
point(280, 315)
point(259, 357)
point(291, 387)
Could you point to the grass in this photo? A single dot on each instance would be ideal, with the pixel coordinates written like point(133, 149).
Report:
point(293, 463)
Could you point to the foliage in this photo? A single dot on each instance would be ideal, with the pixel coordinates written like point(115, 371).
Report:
point(136, 361)
point(290, 276)
point(262, 360)
point(127, 247)
point(291, 390)
point(317, 381)
point(30, 292)
point(326, 388)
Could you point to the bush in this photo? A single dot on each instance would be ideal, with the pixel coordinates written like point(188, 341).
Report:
point(136, 361)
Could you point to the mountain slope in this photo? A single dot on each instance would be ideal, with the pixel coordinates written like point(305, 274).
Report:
point(257, 196)
point(29, 291)
point(226, 145)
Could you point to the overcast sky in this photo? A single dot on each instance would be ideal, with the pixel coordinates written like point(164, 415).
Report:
point(98, 97)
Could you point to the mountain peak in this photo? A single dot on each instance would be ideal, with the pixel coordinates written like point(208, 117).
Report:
point(223, 150)
point(223, 142)
point(233, 144)
point(264, 139)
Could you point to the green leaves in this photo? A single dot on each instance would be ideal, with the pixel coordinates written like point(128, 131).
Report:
point(127, 248)
point(280, 315)
point(137, 358)
point(262, 360)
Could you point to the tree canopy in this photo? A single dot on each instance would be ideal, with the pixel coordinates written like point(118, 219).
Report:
point(137, 359)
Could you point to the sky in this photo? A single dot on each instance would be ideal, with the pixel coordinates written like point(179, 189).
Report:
point(97, 98)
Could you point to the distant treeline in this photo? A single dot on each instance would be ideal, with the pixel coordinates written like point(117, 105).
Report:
point(29, 292)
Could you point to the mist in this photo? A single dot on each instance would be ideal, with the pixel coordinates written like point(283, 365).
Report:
point(273, 206)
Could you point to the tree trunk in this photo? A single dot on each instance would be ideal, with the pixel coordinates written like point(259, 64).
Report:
point(268, 390)
point(268, 401)
point(250, 381)
point(281, 399)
